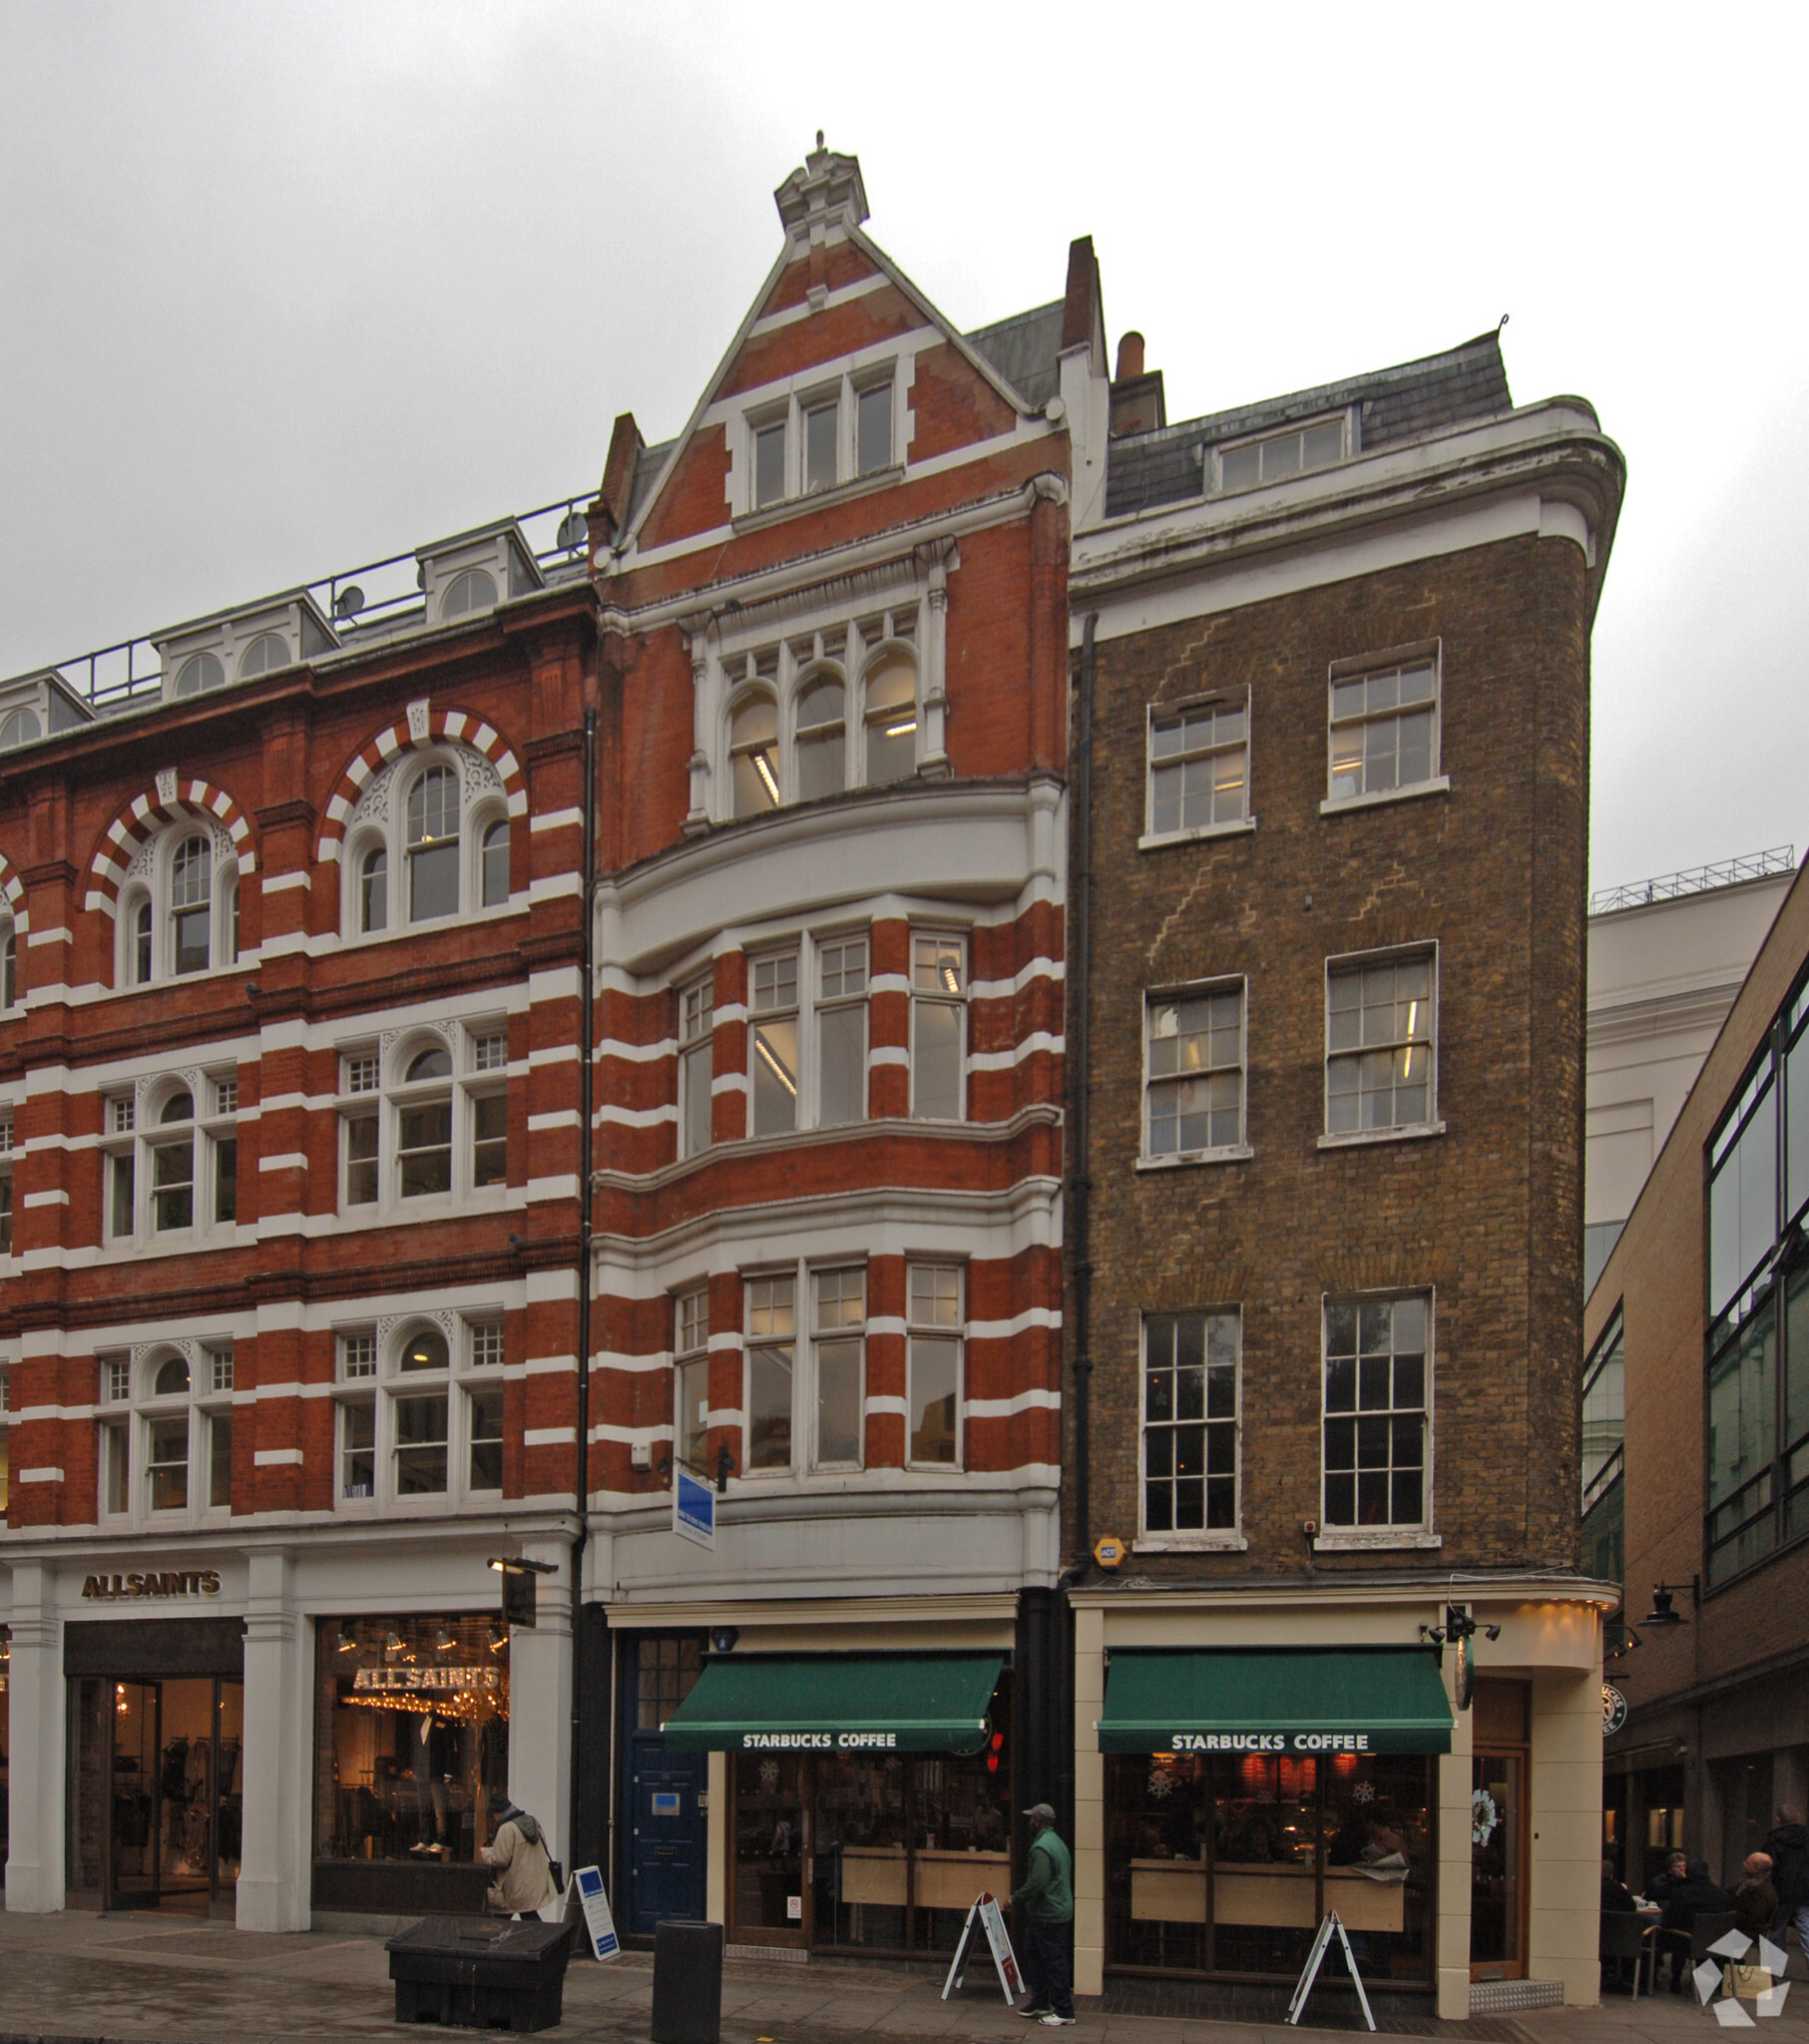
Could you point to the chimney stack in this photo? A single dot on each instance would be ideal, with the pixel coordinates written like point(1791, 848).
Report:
point(1137, 403)
point(1130, 356)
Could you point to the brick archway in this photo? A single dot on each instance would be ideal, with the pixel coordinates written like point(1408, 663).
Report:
point(145, 816)
point(423, 726)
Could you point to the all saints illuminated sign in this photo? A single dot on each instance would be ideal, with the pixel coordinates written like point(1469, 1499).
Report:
point(446, 1679)
point(155, 1583)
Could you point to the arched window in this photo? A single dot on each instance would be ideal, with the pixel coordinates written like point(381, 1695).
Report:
point(891, 719)
point(424, 1126)
point(9, 968)
point(172, 1168)
point(753, 748)
point(171, 1380)
point(433, 845)
point(266, 654)
point(373, 889)
point(232, 920)
point(18, 728)
point(496, 865)
point(191, 905)
point(200, 671)
point(821, 737)
point(182, 1421)
point(474, 590)
point(141, 943)
point(424, 1349)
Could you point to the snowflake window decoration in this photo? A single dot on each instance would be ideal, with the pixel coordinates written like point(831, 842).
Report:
point(1484, 1817)
point(1159, 1785)
point(769, 1775)
point(1363, 1791)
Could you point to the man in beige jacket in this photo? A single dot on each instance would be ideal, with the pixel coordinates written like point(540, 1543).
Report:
point(524, 1884)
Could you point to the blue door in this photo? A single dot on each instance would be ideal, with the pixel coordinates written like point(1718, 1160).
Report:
point(668, 1821)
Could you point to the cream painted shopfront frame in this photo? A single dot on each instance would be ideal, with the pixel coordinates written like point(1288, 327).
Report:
point(1550, 1639)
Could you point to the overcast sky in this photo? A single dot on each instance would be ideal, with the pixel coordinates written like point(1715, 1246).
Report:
point(287, 288)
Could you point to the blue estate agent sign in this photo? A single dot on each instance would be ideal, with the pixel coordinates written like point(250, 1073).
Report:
point(693, 1508)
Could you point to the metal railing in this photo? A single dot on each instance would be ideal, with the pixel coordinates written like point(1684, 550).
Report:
point(1728, 872)
point(361, 602)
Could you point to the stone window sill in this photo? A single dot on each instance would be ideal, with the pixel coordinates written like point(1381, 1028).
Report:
point(1335, 807)
point(1153, 841)
point(1359, 1539)
point(1190, 1543)
point(1233, 1153)
point(1358, 1139)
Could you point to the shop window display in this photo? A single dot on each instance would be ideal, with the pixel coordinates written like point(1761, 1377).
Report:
point(6, 1741)
point(411, 1735)
point(1225, 1863)
point(871, 1853)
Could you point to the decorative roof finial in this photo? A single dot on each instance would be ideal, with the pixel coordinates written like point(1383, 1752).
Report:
point(819, 137)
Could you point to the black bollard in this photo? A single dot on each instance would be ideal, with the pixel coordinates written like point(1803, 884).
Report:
point(688, 1984)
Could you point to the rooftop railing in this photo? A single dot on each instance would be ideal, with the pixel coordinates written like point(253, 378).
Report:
point(1727, 872)
point(365, 602)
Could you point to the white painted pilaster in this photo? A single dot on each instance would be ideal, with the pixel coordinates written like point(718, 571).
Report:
point(274, 1872)
point(540, 1702)
point(36, 1730)
point(1454, 1867)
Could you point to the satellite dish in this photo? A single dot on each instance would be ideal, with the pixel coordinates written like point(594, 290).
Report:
point(574, 530)
point(349, 602)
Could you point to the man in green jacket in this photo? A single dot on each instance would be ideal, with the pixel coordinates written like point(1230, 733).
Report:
point(1044, 1906)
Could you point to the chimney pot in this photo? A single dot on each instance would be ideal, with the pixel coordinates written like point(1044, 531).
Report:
point(1130, 356)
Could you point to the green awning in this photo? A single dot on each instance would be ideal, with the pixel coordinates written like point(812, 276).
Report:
point(838, 1702)
point(1300, 1701)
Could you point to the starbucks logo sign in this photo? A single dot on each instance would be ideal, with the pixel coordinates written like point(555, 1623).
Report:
point(1613, 1710)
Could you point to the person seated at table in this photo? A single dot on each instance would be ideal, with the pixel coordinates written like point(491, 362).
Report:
point(1617, 1974)
point(1696, 1895)
point(1755, 1900)
point(1673, 1874)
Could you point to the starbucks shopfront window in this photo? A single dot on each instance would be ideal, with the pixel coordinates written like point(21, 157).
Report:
point(411, 1736)
point(1249, 1794)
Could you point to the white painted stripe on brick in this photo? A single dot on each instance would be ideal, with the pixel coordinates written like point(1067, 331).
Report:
point(888, 1406)
point(339, 808)
point(557, 819)
point(637, 1117)
point(730, 1011)
point(633, 1436)
point(724, 1344)
point(1003, 1331)
point(1006, 1408)
point(555, 887)
point(291, 944)
point(638, 1053)
point(554, 983)
point(40, 1476)
point(281, 1103)
point(289, 1159)
point(557, 1188)
point(727, 1082)
point(1003, 989)
point(47, 1198)
point(632, 1365)
point(729, 1415)
point(885, 1324)
point(518, 802)
point(889, 983)
point(554, 1054)
point(281, 883)
point(548, 1436)
point(566, 1118)
point(57, 936)
point(550, 1366)
point(887, 1054)
point(26, 1412)
point(276, 1458)
point(1003, 1060)
point(289, 1390)
point(771, 322)
point(541, 1287)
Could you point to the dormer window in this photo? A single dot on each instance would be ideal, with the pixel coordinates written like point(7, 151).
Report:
point(1276, 456)
point(18, 728)
point(201, 671)
point(474, 590)
point(266, 654)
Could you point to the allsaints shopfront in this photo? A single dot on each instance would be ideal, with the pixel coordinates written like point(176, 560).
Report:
point(1242, 1769)
point(869, 1795)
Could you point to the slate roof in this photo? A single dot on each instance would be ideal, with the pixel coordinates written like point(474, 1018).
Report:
point(648, 464)
point(1025, 350)
point(1148, 470)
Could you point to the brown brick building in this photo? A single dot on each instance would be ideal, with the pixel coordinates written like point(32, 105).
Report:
point(1697, 1324)
point(1326, 1008)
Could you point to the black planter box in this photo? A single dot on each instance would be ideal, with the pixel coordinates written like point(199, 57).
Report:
point(481, 1972)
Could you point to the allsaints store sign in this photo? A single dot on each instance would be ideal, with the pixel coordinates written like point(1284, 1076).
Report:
point(447, 1679)
point(156, 1583)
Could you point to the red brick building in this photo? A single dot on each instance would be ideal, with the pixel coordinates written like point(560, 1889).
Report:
point(330, 1167)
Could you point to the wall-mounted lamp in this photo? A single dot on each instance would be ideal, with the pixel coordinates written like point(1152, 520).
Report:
point(722, 1639)
point(1664, 1612)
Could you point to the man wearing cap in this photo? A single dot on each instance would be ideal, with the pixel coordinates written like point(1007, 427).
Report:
point(1044, 1906)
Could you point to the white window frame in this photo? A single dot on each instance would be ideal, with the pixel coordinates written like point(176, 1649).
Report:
point(1168, 712)
point(1203, 1539)
point(368, 1375)
point(1343, 416)
point(1363, 667)
point(9, 1149)
point(388, 831)
point(1402, 1132)
point(691, 1353)
point(918, 1327)
point(468, 1083)
point(822, 1005)
point(812, 392)
point(154, 890)
point(127, 1407)
point(1331, 1539)
point(697, 1038)
point(804, 1339)
point(769, 961)
point(933, 933)
point(1224, 1152)
point(214, 1120)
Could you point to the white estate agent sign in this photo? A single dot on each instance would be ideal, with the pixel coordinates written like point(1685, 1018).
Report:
point(598, 1921)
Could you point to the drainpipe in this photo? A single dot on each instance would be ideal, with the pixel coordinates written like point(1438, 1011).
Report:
point(586, 1086)
point(1080, 959)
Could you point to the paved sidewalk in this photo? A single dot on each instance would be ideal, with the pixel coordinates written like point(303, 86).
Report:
point(184, 1981)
